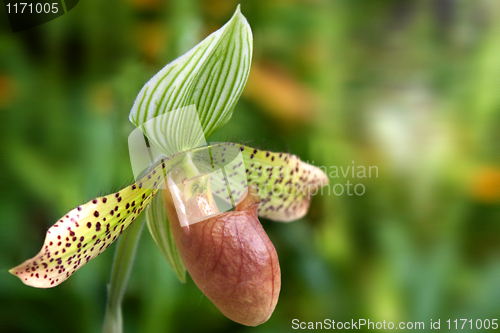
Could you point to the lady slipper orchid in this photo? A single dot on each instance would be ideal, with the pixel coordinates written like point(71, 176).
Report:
point(189, 189)
point(232, 260)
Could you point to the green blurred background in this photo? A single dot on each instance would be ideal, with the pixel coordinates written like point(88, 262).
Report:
point(411, 87)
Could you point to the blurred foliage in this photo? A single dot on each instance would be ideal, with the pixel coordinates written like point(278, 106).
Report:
point(411, 87)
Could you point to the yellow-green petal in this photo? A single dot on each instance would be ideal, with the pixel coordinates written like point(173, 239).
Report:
point(86, 231)
point(285, 184)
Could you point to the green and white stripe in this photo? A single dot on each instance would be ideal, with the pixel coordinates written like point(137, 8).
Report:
point(210, 77)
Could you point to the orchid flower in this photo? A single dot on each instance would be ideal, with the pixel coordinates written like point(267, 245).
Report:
point(202, 201)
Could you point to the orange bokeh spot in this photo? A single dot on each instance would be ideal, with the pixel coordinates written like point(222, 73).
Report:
point(486, 185)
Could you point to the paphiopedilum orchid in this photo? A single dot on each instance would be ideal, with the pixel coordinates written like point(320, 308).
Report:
point(189, 187)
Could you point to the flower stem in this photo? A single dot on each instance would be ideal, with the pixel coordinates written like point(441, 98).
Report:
point(122, 265)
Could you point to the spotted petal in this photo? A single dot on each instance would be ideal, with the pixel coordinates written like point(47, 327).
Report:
point(86, 231)
point(285, 184)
